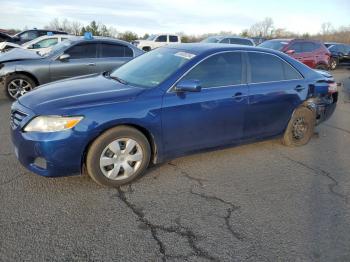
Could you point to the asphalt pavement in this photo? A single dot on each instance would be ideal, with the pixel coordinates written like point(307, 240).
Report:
point(256, 202)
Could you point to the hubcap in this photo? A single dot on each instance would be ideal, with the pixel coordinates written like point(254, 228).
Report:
point(121, 159)
point(18, 87)
point(334, 64)
point(299, 128)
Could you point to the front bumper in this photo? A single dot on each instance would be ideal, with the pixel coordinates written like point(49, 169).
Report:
point(48, 154)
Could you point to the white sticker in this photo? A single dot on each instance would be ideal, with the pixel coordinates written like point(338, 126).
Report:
point(185, 55)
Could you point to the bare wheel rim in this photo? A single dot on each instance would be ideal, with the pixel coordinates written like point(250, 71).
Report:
point(18, 87)
point(300, 128)
point(334, 64)
point(121, 159)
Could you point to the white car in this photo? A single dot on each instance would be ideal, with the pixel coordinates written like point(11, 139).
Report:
point(155, 41)
point(41, 44)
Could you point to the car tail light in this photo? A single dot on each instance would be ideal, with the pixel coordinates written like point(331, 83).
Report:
point(332, 87)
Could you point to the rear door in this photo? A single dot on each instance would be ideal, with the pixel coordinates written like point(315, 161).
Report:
point(112, 56)
point(275, 90)
point(82, 61)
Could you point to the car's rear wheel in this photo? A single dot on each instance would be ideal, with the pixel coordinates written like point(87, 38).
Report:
point(333, 63)
point(118, 156)
point(17, 85)
point(146, 48)
point(300, 128)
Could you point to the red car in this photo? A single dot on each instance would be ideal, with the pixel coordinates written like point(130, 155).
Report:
point(310, 52)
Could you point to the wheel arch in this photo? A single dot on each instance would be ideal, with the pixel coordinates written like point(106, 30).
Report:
point(147, 133)
point(35, 79)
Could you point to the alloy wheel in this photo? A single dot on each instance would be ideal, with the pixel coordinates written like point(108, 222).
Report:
point(121, 159)
point(18, 87)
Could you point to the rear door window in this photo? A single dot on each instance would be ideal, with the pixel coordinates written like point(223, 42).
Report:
point(308, 47)
point(269, 68)
point(161, 38)
point(115, 50)
point(218, 71)
point(296, 47)
point(86, 50)
point(173, 39)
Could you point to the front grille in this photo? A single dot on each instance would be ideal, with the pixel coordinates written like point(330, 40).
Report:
point(16, 118)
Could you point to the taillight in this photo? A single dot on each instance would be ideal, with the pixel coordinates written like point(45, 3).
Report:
point(332, 88)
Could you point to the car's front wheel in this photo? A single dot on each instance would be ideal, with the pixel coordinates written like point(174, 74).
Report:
point(17, 85)
point(300, 128)
point(118, 156)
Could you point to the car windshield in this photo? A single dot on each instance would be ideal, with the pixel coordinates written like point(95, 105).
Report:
point(210, 40)
point(151, 37)
point(151, 69)
point(58, 48)
point(275, 45)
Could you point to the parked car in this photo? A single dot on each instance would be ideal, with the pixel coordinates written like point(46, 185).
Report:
point(22, 70)
point(41, 44)
point(4, 37)
point(339, 53)
point(155, 41)
point(229, 40)
point(310, 52)
point(169, 102)
point(28, 35)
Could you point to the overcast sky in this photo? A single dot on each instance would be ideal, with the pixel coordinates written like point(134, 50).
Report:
point(189, 16)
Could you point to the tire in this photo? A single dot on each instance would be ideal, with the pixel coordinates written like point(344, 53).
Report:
point(109, 159)
point(300, 128)
point(321, 67)
point(333, 63)
point(146, 48)
point(23, 82)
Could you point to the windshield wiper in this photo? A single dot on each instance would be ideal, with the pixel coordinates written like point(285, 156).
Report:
point(107, 74)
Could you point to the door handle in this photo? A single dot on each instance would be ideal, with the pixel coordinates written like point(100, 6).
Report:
point(299, 88)
point(91, 64)
point(238, 96)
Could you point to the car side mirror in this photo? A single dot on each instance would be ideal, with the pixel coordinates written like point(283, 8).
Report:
point(64, 57)
point(188, 86)
point(290, 52)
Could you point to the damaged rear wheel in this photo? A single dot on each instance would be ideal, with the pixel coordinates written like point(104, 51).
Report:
point(300, 128)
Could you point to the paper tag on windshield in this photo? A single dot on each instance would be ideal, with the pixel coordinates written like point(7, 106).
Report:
point(185, 55)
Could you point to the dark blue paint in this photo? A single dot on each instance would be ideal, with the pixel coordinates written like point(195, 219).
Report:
point(178, 122)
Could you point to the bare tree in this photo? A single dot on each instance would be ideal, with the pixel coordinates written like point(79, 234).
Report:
point(262, 29)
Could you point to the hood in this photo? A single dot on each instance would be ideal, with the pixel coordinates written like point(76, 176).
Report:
point(4, 45)
point(144, 41)
point(18, 54)
point(78, 92)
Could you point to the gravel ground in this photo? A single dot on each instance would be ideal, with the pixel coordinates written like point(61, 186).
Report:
point(257, 202)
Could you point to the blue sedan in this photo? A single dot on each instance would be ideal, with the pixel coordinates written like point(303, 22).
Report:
point(170, 102)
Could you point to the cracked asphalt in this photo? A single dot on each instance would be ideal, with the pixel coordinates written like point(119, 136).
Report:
point(256, 202)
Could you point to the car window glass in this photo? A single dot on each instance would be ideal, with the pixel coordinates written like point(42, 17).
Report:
point(225, 41)
point(161, 38)
point(87, 50)
point(46, 43)
point(347, 49)
point(29, 35)
point(268, 68)
point(218, 70)
point(308, 47)
point(173, 38)
point(296, 47)
point(113, 50)
point(238, 41)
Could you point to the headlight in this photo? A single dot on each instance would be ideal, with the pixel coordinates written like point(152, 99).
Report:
point(52, 123)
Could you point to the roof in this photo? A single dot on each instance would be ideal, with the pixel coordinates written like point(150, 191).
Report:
point(198, 48)
point(230, 36)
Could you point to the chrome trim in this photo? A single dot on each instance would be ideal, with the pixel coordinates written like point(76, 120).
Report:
point(242, 51)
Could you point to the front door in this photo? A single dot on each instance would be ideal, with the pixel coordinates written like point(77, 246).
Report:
point(82, 61)
point(209, 118)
